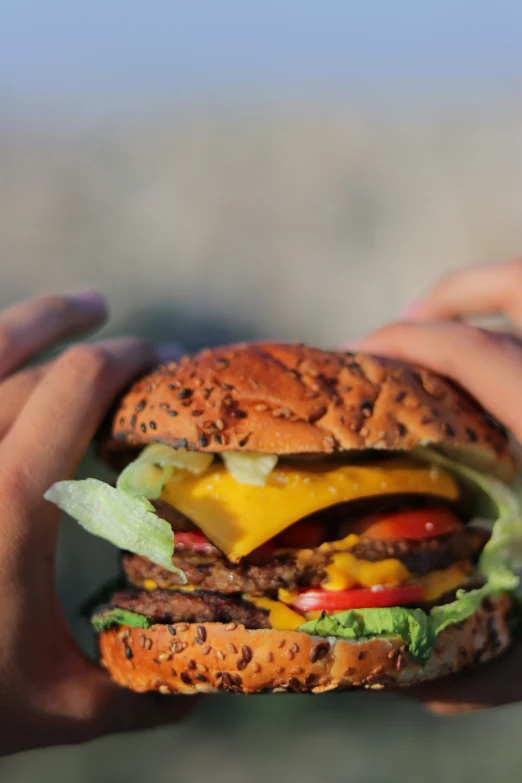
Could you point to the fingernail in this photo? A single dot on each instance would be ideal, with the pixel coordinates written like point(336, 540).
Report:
point(170, 352)
point(413, 309)
point(90, 299)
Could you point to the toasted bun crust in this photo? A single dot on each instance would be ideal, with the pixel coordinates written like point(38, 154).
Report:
point(291, 399)
point(211, 657)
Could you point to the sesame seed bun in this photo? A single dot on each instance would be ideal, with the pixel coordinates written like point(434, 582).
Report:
point(290, 399)
point(210, 657)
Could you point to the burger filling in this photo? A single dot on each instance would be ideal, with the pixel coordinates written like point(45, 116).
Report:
point(336, 547)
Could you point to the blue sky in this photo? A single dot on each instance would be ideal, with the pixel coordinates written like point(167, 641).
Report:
point(135, 49)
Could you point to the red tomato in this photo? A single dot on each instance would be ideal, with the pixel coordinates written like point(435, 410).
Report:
point(194, 540)
point(412, 524)
point(302, 535)
point(317, 600)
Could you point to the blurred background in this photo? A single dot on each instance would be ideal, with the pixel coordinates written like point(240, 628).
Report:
point(229, 170)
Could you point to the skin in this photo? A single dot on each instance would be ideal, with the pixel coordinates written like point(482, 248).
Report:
point(50, 692)
point(489, 365)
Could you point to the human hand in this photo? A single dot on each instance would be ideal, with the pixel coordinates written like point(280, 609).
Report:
point(50, 692)
point(489, 366)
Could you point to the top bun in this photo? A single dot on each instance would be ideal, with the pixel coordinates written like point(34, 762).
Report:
point(286, 398)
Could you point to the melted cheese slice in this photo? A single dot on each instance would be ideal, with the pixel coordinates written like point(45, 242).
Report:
point(282, 618)
point(238, 518)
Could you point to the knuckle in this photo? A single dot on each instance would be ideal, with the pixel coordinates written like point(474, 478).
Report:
point(87, 362)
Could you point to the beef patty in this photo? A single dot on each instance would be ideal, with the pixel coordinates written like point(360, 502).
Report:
point(211, 571)
point(172, 606)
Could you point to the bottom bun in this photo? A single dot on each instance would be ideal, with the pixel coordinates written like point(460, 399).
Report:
point(212, 657)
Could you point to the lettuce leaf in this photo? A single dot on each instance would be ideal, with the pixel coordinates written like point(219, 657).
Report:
point(127, 521)
point(113, 615)
point(155, 465)
point(412, 625)
point(495, 500)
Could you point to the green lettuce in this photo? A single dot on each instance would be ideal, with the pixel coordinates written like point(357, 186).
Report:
point(113, 615)
point(412, 625)
point(500, 563)
point(155, 465)
point(127, 521)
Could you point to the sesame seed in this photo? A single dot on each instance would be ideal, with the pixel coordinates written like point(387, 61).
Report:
point(241, 663)
point(218, 675)
point(294, 648)
point(246, 652)
point(207, 425)
point(172, 413)
point(201, 677)
point(156, 661)
point(448, 430)
point(398, 662)
point(164, 689)
point(164, 656)
point(182, 443)
point(231, 627)
point(196, 412)
point(175, 647)
point(128, 652)
point(186, 679)
point(269, 657)
point(256, 667)
point(261, 407)
point(163, 406)
point(191, 664)
point(182, 627)
point(147, 643)
point(133, 421)
point(184, 394)
point(201, 667)
point(152, 424)
point(198, 640)
point(281, 643)
point(122, 421)
point(220, 654)
point(139, 407)
point(231, 648)
point(217, 437)
point(317, 414)
point(227, 679)
point(393, 654)
point(309, 680)
point(290, 655)
point(236, 679)
point(319, 650)
point(361, 655)
point(202, 632)
point(220, 424)
point(205, 650)
point(142, 640)
point(171, 630)
point(221, 364)
point(297, 670)
point(294, 683)
point(242, 442)
point(237, 414)
point(143, 427)
point(278, 670)
point(203, 441)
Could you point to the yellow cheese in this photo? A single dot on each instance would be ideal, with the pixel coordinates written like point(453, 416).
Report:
point(150, 584)
point(238, 518)
point(346, 571)
point(282, 618)
point(436, 583)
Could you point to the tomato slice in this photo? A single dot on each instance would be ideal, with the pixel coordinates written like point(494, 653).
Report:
point(317, 600)
point(414, 523)
point(195, 541)
point(302, 535)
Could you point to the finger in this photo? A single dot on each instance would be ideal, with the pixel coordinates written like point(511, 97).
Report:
point(487, 365)
point(61, 417)
point(495, 288)
point(31, 326)
point(15, 390)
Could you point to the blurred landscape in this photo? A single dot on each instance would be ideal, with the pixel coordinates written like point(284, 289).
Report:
point(313, 223)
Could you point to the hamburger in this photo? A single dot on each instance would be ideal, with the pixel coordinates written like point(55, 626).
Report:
point(301, 520)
